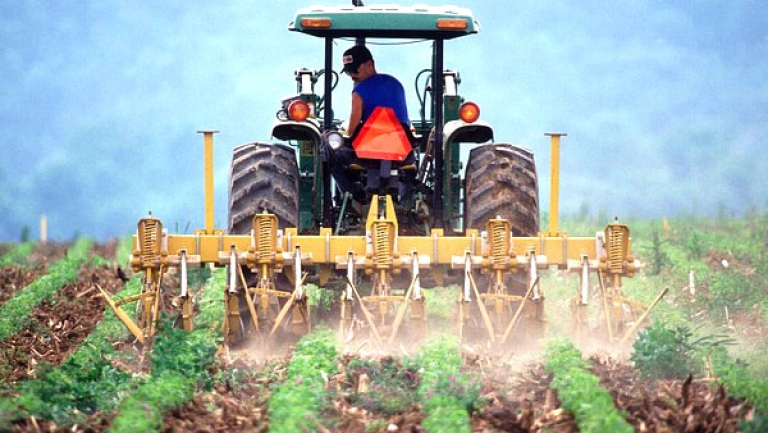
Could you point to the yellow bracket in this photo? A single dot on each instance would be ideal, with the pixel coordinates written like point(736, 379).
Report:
point(133, 328)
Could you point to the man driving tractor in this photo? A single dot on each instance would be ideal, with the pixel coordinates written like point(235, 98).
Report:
point(371, 90)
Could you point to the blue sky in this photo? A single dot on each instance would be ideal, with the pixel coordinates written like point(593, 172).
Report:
point(665, 103)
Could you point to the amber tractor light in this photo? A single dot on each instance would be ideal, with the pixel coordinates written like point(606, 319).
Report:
point(451, 24)
point(298, 111)
point(316, 23)
point(469, 112)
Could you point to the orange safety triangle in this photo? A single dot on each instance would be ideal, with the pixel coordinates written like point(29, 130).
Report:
point(382, 137)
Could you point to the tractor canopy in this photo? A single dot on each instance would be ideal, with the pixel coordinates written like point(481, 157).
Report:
point(386, 21)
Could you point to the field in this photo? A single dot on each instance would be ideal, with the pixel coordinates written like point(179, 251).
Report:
point(699, 365)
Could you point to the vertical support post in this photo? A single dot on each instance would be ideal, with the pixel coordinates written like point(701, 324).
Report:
point(208, 160)
point(440, 177)
point(554, 182)
point(43, 229)
point(327, 220)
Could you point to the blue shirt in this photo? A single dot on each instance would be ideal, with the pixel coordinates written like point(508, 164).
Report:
point(382, 90)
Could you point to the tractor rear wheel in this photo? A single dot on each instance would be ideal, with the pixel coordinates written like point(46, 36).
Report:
point(264, 178)
point(501, 182)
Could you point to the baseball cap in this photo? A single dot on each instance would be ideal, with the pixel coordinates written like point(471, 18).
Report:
point(354, 57)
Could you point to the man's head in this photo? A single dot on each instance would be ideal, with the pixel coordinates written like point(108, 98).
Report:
point(358, 63)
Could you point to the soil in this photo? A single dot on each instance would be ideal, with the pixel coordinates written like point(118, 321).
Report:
point(517, 394)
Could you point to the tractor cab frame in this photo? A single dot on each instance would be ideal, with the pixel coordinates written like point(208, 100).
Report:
point(439, 120)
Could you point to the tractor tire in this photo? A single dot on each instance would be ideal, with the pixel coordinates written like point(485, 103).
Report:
point(501, 182)
point(263, 177)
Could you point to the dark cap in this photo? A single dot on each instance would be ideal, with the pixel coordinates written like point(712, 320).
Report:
point(354, 57)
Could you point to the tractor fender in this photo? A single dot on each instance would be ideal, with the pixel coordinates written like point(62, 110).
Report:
point(458, 131)
point(308, 130)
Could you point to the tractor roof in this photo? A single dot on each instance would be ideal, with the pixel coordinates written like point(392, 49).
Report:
point(386, 21)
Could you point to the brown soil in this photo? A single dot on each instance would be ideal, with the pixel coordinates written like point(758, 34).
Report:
point(57, 326)
point(14, 278)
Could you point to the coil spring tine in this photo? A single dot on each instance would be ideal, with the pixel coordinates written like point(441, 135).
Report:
point(616, 249)
point(381, 243)
point(149, 247)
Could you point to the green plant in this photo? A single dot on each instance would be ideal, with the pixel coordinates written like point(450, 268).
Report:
point(320, 298)
point(658, 255)
point(296, 404)
point(661, 352)
point(180, 361)
point(15, 312)
point(448, 394)
point(85, 383)
point(580, 392)
point(392, 386)
point(18, 254)
point(734, 374)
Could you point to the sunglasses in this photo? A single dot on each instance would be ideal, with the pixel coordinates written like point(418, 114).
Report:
point(350, 71)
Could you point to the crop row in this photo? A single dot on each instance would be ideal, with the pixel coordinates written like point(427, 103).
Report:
point(94, 378)
point(179, 365)
point(382, 387)
point(17, 254)
point(579, 390)
point(296, 404)
point(87, 382)
point(15, 312)
point(447, 393)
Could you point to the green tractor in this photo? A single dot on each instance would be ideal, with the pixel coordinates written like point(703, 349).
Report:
point(293, 181)
point(424, 217)
point(499, 181)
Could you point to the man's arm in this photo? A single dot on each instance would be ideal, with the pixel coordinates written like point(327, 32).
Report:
point(355, 114)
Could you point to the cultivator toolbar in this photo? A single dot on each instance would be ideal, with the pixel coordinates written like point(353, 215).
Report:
point(377, 259)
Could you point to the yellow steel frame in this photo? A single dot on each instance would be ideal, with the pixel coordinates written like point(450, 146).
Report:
point(381, 252)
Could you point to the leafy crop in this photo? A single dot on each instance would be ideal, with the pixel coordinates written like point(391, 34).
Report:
point(85, 383)
point(738, 382)
point(180, 362)
point(580, 392)
point(662, 352)
point(297, 403)
point(392, 385)
point(18, 254)
point(448, 394)
point(15, 312)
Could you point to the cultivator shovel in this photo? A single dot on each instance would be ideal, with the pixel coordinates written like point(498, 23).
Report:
point(381, 308)
point(153, 260)
point(500, 310)
point(621, 317)
point(263, 299)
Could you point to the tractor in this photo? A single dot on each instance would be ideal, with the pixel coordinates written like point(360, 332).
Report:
point(426, 217)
